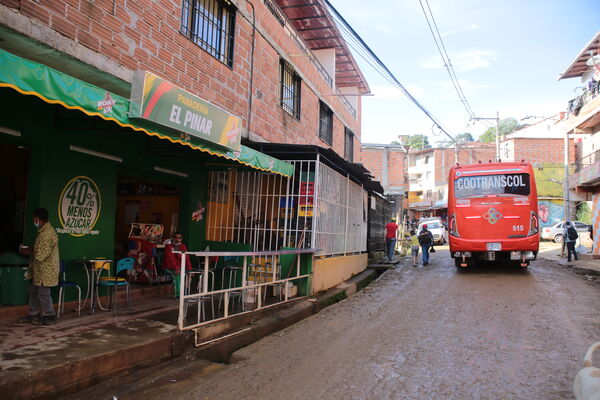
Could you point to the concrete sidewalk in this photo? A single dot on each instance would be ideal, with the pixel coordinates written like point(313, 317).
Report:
point(585, 265)
point(56, 360)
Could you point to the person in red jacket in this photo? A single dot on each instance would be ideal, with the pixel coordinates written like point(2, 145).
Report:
point(173, 261)
point(391, 234)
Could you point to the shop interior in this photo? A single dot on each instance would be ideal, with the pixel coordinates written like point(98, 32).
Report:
point(13, 194)
point(147, 215)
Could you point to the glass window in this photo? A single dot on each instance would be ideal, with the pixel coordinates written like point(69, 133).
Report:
point(289, 93)
point(325, 123)
point(481, 185)
point(210, 24)
point(349, 145)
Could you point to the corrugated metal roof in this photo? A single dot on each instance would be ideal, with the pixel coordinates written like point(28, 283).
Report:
point(314, 23)
point(578, 66)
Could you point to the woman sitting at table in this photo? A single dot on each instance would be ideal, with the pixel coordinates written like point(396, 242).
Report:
point(172, 261)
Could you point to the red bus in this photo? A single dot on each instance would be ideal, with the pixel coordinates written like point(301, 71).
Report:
point(492, 213)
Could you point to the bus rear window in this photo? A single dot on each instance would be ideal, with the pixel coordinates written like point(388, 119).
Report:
point(481, 185)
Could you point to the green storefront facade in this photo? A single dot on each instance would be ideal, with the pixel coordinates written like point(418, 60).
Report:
point(75, 143)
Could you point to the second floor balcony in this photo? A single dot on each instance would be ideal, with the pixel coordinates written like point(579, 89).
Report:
point(584, 110)
point(585, 174)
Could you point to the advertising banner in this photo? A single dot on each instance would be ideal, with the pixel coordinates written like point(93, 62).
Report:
point(156, 100)
point(79, 207)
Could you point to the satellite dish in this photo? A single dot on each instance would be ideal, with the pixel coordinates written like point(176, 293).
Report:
point(594, 60)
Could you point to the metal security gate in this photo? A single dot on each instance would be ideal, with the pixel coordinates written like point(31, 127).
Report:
point(315, 208)
point(341, 218)
point(264, 210)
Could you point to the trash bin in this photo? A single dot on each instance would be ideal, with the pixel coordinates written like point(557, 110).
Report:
point(13, 284)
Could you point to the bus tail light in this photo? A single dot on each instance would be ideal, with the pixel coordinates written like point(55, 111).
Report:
point(534, 224)
point(521, 201)
point(463, 203)
point(453, 229)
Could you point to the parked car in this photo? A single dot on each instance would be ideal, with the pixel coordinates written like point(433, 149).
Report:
point(555, 231)
point(437, 229)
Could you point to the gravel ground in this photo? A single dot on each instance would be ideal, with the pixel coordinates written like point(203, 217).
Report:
point(418, 333)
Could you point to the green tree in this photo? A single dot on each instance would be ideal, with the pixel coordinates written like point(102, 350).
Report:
point(461, 138)
point(464, 138)
point(506, 126)
point(418, 142)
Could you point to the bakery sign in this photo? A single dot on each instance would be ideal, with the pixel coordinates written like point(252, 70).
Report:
point(158, 101)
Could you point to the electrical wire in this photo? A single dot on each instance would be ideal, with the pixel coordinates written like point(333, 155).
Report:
point(439, 43)
point(384, 70)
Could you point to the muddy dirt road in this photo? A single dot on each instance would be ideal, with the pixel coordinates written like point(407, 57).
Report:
point(418, 333)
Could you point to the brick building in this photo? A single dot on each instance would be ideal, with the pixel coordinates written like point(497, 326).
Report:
point(583, 118)
point(428, 171)
point(387, 163)
point(97, 75)
point(543, 145)
point(103, 42)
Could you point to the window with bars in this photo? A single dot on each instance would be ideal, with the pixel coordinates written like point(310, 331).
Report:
point(325, 123)
point(211, 25)
point(349, 145)
point(289, 92)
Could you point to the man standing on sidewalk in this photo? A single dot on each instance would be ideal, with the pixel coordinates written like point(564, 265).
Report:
point(391, 234)
point(570, 236)
point(43, 270)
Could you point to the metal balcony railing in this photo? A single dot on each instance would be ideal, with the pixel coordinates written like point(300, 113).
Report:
point(585, 162)
point(575, 105)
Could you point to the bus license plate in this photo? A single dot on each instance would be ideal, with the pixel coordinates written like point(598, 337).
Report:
point(494, 246)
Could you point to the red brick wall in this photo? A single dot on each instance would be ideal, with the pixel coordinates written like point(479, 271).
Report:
point(543, 150)
point(472, 154)
point(372, 159)
point(396, 172)
point(144, 35)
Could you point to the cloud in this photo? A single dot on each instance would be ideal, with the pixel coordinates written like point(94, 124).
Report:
point(464, 60)
point(473, 27)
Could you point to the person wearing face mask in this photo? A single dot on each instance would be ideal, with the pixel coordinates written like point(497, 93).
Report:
point(172, 260)
point(44, 269)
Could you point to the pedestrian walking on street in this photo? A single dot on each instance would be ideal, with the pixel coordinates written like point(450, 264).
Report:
point(44, 268)
point(414, 246)
point(391, 235)
point(570, 236)
point(426, 241)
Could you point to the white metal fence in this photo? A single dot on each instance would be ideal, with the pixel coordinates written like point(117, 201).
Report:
point(341, 217)
point(317, 207)
point(254, 273)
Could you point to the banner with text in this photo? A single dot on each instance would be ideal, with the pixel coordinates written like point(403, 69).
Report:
point(158, 101)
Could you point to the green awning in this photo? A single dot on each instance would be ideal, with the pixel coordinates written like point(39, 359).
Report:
point(54, 87)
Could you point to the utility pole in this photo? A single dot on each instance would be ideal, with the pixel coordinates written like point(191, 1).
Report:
point(455, 152)
point(566, 205)
point(497, 119)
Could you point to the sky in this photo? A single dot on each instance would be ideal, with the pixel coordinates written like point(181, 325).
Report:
point(507, 55)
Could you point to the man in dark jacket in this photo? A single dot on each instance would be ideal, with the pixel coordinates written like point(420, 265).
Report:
point(426, 241)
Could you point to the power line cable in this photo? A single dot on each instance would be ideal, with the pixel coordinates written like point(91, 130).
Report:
point(396, 82)
point(439, 43)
